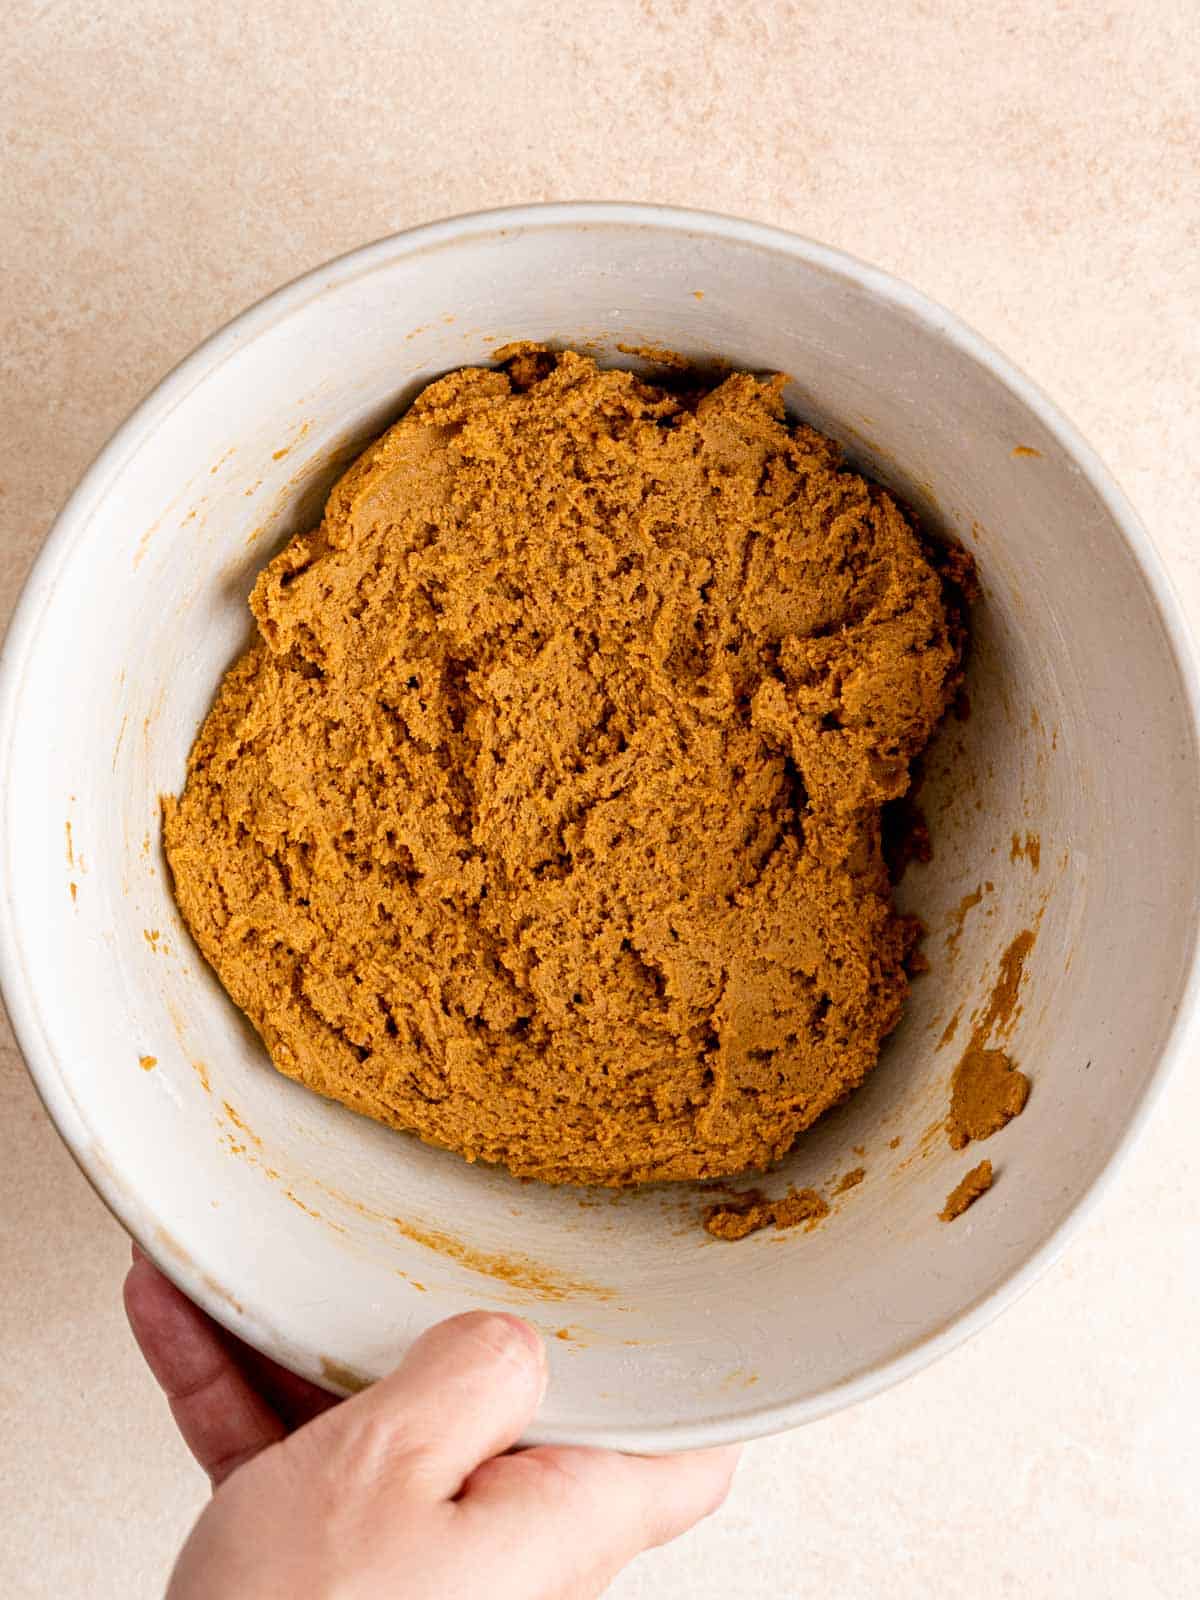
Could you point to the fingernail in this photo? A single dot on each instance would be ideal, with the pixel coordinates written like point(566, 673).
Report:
point(533, 1342)
point(527, 1331)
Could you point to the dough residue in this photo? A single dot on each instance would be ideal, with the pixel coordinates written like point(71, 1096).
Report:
point(987, 1089)
point(978, 1181)
point(543, 816)
point(738, 1218)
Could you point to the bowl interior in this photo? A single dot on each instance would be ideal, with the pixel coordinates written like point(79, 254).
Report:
point(331, 1241)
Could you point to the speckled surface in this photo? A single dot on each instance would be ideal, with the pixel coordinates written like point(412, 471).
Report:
point(1034, 168)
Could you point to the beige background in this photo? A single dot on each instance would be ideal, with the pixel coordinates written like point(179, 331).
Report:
point(1030, 164)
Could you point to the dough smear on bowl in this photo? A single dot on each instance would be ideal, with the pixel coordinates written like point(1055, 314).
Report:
point(542, 818)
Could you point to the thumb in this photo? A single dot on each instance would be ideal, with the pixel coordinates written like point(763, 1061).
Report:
point(466, 1390)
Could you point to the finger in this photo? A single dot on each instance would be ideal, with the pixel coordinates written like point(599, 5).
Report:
point(222, 1420)
point(294, 1399)
point(467, 1389)
point(593, 1510)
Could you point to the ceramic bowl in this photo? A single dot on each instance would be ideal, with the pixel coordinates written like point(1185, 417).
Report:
point(1068, 802)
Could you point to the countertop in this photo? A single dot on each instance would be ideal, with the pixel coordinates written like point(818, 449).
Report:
point(1033, 167)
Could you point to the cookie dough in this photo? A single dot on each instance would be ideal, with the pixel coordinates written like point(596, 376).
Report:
point(988, 1090)
point(965, 1193)
point(542, 817)
point(751, 1211)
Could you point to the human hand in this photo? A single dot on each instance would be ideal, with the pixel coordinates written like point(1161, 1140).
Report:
point(405, 1491)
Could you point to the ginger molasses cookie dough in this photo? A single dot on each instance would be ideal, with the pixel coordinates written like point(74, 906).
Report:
point(542, 818)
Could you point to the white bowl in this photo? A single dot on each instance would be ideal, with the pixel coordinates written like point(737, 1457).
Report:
point(278, 1211)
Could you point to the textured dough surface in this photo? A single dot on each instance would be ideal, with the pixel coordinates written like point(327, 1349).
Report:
point(542, 818)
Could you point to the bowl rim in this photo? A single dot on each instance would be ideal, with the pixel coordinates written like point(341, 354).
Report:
point(21, 641)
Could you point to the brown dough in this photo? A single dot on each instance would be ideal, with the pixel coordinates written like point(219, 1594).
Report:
point(978, 1181)
point(543, 816)
point(988, 1092)
point(749, 1212)
point(987, 1089)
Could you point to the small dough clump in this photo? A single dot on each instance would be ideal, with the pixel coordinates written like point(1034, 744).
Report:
point(542, 817)
point(751, 1211)
point(965, 1193)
